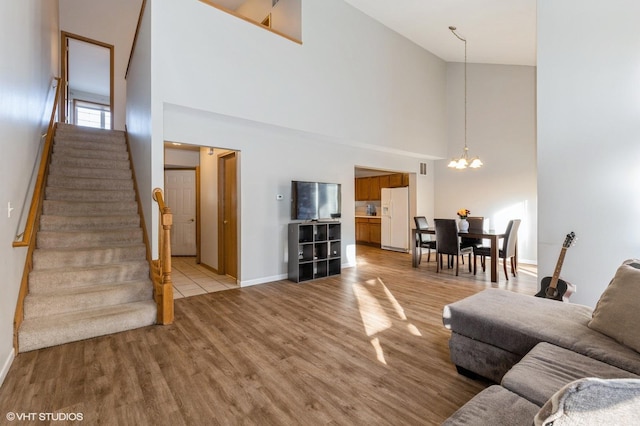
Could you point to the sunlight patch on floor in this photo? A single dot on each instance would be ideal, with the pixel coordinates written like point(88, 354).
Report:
point(414, 330)
point(378, 348)
point(377, 306)
point(374, 318)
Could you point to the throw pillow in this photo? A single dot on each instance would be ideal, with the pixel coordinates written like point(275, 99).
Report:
point(594, 402)
point(617, 313)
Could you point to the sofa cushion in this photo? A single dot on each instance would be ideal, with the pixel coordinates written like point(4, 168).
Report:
point(548, 368)
point(480, 358)
point(617, 313)
point(517, 322)
point(494, 406)
point(593, 402)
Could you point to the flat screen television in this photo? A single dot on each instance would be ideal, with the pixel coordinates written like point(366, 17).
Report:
point(315, 200)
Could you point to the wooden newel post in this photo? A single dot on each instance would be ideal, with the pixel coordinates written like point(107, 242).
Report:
point(165, 251)
point(164, 288)
point(167, 284)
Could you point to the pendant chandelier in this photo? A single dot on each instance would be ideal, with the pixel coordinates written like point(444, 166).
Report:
point(463, 161)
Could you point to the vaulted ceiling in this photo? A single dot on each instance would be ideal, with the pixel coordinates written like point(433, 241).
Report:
point(497, 31)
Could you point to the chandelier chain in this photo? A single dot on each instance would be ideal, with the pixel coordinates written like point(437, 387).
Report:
point(463, 161)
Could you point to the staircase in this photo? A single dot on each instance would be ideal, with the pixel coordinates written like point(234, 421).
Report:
point(90, 274)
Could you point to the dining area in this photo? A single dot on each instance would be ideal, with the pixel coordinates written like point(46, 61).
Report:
point(452, 241)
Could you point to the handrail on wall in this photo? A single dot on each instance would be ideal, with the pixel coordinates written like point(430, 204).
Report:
point(162, 275)
point(28, 235)
point(38, 190)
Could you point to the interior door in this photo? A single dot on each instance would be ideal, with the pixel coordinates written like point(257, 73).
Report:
point(180, 193)
point(228, 220)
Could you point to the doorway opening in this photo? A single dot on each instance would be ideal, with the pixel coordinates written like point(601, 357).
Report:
point(201, 188)
point(384, 207)
point(87, 78)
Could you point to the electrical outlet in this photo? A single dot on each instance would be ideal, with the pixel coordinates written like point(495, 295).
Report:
point(9, 209)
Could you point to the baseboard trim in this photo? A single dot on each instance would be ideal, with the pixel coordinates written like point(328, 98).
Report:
point(210, 268)
point(6, 365)
point(263, 280)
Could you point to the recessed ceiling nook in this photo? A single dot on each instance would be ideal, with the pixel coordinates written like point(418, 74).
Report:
point(281, 17)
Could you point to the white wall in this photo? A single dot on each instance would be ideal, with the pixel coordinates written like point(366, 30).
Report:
point(354, 93)
point(181, 158)
point(588, 139)
point(29, 62)
point(112, 22)
point(139, 126)
point(501, 130)
point(352, 79)
point(209, 207)
point(270, 158)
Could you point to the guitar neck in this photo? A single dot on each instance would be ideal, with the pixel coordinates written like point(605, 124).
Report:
point(556, 272)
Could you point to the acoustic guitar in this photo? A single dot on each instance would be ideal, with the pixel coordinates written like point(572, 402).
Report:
point(553, 287)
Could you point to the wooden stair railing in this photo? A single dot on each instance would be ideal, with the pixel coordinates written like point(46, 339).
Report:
point(28, 237)
point(163, 286)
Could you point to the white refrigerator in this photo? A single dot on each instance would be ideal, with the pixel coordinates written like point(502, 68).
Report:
point(395, 219)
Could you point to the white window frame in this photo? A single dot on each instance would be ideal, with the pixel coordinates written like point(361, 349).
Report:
point(105, 113)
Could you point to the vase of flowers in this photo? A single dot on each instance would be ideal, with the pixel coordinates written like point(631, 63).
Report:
point(463, 225)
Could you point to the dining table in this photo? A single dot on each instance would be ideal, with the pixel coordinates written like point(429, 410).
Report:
point(491, 235)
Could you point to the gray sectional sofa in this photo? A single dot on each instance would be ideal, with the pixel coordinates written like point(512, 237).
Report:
point(552, 362)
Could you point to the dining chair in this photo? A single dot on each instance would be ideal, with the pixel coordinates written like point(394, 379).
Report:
point(508, 250)
point(476, 224)
point(448, 242)
point(423, 240)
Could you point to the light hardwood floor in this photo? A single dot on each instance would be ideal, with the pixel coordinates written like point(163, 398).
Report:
point(364, 348)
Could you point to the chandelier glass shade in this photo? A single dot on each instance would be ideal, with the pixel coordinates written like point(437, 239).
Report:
point(464, 161)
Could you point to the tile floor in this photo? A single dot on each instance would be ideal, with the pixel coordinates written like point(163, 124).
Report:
point(191, 279)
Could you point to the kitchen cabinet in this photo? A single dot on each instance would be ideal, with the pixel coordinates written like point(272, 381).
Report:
point(362, 230)
point(375, 231)
point(362, 189)
point(384, 181)
point(374, 188)
point(368, 230)
point(369, 188)
point(395, 180)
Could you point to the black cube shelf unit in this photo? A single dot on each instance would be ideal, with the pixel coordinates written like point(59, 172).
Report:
point(314, 250)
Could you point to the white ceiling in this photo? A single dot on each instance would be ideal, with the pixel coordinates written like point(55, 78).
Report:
point(497, 31)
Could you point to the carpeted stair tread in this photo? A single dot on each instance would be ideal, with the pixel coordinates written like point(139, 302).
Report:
point(90, 297)
point(88, 223)
point(89, 163)
point(61, 181)
point(115, 146)
point(84, 257)
point(70, 194)
point(85, 152)
point(88, 134)
point(66, 208)
point(88, 172)
point(79, 151)
point(50, 280)
point(84, 133)
point(108, 141)
point(53, 239)
point(36, 333)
